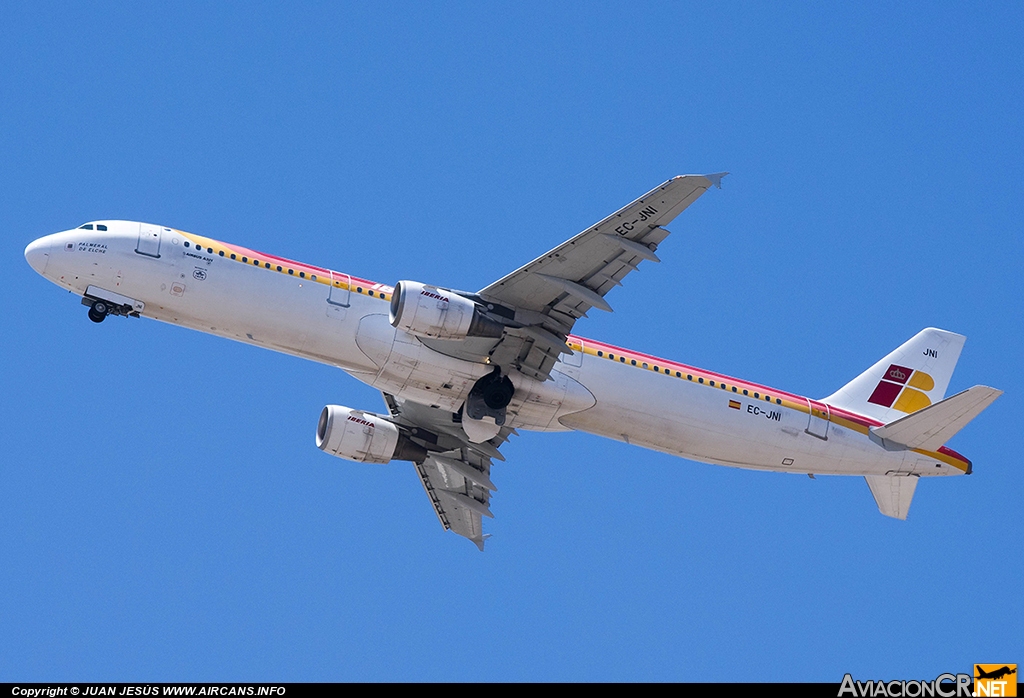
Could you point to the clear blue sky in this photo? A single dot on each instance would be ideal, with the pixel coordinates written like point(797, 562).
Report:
point(165, 512)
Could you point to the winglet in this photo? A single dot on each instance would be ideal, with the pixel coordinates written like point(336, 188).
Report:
point(716, 178)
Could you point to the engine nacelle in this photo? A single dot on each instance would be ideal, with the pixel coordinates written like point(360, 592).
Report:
point(364, 437)
point(429, 311)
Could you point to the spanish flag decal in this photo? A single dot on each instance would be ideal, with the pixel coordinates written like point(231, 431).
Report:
point(734, 404)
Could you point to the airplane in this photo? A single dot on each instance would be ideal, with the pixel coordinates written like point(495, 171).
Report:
point(461, 372)
point(996, 673)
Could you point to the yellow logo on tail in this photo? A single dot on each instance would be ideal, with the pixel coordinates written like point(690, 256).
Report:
point(903, 389)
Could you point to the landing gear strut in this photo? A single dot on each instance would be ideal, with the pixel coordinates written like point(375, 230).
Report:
point(98, 311)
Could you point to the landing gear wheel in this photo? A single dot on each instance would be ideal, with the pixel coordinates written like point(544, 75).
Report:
point(98, 311)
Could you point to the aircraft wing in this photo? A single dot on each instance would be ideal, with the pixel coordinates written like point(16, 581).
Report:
point(550, 293)
point(457, 474)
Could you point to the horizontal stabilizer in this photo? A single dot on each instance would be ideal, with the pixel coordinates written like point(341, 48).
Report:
point(933, 426)
point(893, 493)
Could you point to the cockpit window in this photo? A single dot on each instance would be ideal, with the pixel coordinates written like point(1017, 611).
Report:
point(87, 226)
point(100, 226)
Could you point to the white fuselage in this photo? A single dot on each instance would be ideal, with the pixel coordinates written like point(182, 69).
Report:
point(339, 320)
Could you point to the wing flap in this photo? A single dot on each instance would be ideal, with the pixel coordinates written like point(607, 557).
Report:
point(458, 503)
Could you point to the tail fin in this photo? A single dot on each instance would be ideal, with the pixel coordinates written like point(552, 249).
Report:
point(909, 379)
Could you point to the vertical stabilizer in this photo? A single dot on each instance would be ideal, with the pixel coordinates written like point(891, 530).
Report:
point(909, 379)
point(893, 493)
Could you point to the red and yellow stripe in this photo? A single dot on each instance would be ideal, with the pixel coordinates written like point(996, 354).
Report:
point(734, 386)
point(288, 267)
point(669, 369)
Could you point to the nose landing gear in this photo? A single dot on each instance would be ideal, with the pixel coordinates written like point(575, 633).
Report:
point(98, 311)
point(100, 306)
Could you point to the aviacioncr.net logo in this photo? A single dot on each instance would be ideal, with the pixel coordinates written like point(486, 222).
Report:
point(995, 680)
point(943, 686)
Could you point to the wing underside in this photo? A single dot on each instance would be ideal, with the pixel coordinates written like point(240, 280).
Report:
point(456, 474)
point(537, 305)
point(553, 291)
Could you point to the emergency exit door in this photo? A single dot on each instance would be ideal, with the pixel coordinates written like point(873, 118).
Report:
point(149, 240)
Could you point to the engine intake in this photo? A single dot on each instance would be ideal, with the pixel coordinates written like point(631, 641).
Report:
point(364, 437)
point(429, 311)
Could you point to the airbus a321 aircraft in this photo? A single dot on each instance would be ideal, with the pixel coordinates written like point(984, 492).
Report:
point(460, 372)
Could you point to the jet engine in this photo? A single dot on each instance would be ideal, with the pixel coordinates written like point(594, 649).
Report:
point(429, 311)
point(364, 437)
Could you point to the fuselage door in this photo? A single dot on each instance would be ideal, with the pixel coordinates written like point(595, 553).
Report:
point(338, 296)
point(819, 419)
point(149, 240)
point(570, 363)
point(340, 291)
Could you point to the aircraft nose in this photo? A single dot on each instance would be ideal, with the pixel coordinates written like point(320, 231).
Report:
point(38, 254)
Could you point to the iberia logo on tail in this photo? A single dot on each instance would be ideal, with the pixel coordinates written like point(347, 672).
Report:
point(903, 389)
